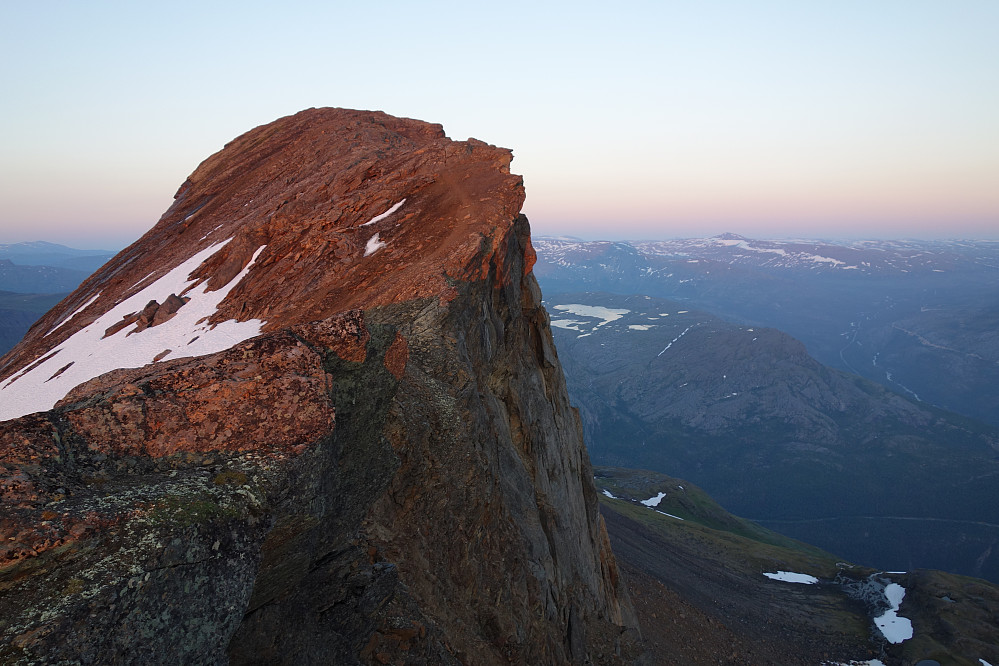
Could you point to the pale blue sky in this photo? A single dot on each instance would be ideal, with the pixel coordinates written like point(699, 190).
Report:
point(645, 119)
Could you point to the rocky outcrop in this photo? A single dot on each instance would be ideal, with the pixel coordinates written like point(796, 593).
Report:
point(344, 438)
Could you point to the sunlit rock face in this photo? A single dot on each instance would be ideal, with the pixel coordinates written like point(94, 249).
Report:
point(314, 415)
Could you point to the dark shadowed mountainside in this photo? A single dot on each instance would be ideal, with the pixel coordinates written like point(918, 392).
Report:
point(18, 312)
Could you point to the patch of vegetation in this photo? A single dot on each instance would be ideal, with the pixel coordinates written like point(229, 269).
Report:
point(737, 550)
point(184, 511)
point(230, 477)
point(703, 519)
point(73, 586)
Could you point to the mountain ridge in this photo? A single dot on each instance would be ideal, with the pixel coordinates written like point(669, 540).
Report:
point(315, 484)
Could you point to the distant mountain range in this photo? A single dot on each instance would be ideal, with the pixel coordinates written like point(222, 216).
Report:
point(43, 253)
point(34, 276)
point(920, 317)
point(772, 434)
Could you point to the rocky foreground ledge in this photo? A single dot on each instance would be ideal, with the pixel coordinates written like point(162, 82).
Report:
point(314, 415)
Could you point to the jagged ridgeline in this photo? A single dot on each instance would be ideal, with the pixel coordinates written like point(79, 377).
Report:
point(314, 415)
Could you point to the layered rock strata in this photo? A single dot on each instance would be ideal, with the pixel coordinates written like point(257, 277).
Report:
point(355, 446)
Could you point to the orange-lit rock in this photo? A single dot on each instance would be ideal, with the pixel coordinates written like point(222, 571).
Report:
point(389, 472)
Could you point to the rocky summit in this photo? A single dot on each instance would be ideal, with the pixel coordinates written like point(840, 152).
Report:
point(314, 415)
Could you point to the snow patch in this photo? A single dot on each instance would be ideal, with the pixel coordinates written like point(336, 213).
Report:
point(87, 353)
point(374, 244)
point(654, 501)
point(569, 324)
point(821, 260)
point(792, 577)
point(608, 493)
point(640, 327)
point(598, 312)
point(896, 629)
point(379, 218)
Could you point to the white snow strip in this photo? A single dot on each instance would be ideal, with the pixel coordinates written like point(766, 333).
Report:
point(771, 250)
point(608, 493)
point(654, 501)
point(896, 629)
point(75, 312)
point(816, 258)
point(141, 281)
point(984, 663)
point(379, 218)
point(374, 244)
point(219, 226)
point(674, 340)
point(668, 514)
point(640, 327)
point(606, 314)
point(792, 577)
point(87, 353)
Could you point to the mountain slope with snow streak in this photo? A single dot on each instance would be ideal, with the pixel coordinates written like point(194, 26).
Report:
point(275, 411)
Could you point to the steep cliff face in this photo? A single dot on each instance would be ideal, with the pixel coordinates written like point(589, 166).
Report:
point(313, 416)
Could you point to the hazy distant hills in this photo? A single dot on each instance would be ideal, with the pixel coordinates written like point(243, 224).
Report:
point(772, 434)
point(40, 267)
point(34, 276)
point(917, 316)
point(42, 253)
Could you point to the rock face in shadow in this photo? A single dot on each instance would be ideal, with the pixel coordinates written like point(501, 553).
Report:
point(379, 464)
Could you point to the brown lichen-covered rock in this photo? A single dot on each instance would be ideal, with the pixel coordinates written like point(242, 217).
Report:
point(339, 435)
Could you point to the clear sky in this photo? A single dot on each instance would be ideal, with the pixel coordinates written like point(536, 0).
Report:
point(846, 118)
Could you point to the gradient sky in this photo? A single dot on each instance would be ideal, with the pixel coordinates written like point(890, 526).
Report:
point(874, 118)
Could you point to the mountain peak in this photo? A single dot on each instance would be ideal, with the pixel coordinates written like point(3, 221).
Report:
point(314, 415)
point(730, 236)
point(313, 214)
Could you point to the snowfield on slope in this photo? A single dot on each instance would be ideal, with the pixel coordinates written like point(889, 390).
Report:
point(606, 314)
point(792, 577)
point(896, 629)
point(88, 353)
point(654, 501)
